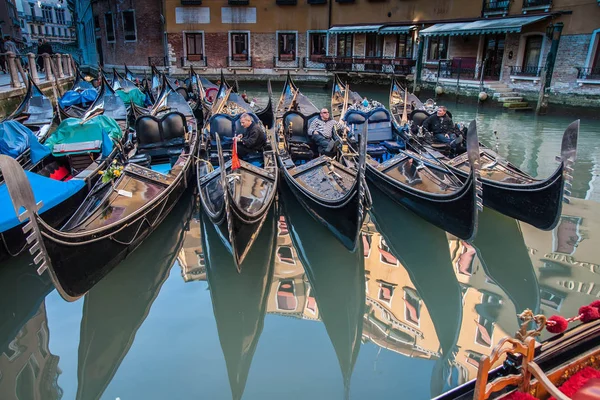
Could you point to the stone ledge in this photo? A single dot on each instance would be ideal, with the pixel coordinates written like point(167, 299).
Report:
point(581, 82)
point(534, 79)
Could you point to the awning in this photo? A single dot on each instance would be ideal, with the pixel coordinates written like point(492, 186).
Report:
point(504, 25)
point(354, 29)
point(395, 30)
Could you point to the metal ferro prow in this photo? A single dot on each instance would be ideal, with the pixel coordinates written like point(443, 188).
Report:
point(22, 198)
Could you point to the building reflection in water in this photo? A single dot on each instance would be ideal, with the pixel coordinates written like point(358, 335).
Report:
point(27, 368)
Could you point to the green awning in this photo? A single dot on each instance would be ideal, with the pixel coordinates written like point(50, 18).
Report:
point(481, 27)
point(354, 29)
point(396, 30)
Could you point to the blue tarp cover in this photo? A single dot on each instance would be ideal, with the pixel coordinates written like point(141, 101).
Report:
point(74, 98)
point(50, 191)
point(15, 138)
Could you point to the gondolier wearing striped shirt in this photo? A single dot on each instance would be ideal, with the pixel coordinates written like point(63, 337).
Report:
point(321, 131)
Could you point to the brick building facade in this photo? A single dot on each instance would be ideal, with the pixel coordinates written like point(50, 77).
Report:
point(505, 42)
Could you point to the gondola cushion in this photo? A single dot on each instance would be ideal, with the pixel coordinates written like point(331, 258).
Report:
point(393, 146)
point(168, 131)
point(141, 159)
point(376, 150)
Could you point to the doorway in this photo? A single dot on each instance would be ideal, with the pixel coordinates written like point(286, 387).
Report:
point(99, 51)
point(493, 53)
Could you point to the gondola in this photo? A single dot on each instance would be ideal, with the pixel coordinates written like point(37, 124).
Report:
point(131, 76)
point(240, 211)
point(423, 251)
point(72, 103)
point(62, 171)
point(239, 299)
point(35, 111)
point(116, 308)
point(415, 180)
point(506, 188)
point(121, 82)
point(119, 213)
point(337, 281)
point(553, 362)
point(332, 189)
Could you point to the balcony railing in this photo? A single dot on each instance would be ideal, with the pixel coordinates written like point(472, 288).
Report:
point(525, 71)
point(589, 73)
point(344, 1)
point(500, 6)
point(285, 61)
point(537, 4)
point(369, 64)
point(193, 60)
point(317, 1)
point(238, 2)
point(314, 62)
point(191, 2)
point(286, 2)
point(239, 60)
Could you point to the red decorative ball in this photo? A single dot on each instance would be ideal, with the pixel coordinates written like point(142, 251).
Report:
point(559, 326)
point(588, 314)
point(595, 304)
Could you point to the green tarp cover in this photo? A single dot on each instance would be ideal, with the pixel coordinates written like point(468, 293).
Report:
point(134, 95)
point(71, 130)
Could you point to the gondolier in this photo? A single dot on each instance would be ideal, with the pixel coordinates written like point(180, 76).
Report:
point(253, 140)
point(321, 130)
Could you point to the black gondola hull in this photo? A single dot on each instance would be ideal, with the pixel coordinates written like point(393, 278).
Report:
point(455, 213)
point(539, 204)
point(12, 241)
point(79, 267)
point(341, 219)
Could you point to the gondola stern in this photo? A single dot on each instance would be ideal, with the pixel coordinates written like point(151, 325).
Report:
point(475, 163)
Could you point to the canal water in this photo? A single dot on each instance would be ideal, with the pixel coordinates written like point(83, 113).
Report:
point(408, 315)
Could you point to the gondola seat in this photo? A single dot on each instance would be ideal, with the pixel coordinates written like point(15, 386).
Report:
point(380, 134)
point(162, 138)
point(300, 145)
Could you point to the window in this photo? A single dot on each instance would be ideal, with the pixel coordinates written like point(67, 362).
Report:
point(550, 298)
point(129, 29)
point(344, 45)
point(438, 48)
point(318, 44)
point(596, 60)
point(96, 22)
point(110, 27)
point(386, 291)
point(239, 46)
point(374, 45)
point(412, 306)
point(32, 7)
point(286, 297)
point(53, 31)
point(285, 255)
point(47, 13)
point(193, 46)
point(385, 255)
point(533, 51)
point(404, 46)
point(60, 16)
point(40, 30)
point(47, 28)
point(286, 46)
point(566, 236)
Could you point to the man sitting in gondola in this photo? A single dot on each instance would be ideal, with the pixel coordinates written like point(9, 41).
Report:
point(321, 131)
point(253, 139)
point(440, 125)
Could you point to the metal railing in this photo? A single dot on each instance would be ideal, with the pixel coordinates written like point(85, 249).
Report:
point(41, 68)
point(195, 61)
point(240, 60)
point(495, 6)
point(537, 3)
point(313, 62)
point(401, 66)
point(457, 69)
point(238, 2)
point(286, 2)
point(158, 61)
point(588, 73)
point(525, 71)
point(283, 61)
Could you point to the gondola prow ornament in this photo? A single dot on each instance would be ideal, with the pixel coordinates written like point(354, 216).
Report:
point(22, 198)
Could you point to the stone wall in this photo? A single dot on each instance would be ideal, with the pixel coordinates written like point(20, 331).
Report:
point(149, 32)
point(572, 53)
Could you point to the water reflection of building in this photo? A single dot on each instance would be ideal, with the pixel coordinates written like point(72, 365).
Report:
point(290, 293)
point(567, 259)
point(396, 318)
point(191, 256)
point(27, 368)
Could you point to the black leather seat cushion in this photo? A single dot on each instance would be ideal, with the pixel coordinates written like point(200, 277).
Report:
point(159, 137)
